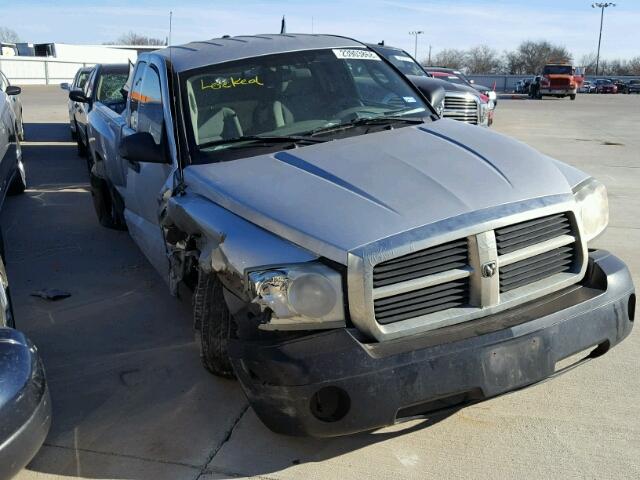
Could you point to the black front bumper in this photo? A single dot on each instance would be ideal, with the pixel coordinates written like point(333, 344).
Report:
point(334, 383)
point(25, 407)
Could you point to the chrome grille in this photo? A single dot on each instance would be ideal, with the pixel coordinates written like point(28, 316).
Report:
point(521, 235)
point(422, 301)
point(462, 108)
point(459, 279)
point(420, 264)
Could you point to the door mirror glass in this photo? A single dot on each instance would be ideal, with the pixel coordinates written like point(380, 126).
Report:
point(13, 90)
point(65, 86)
point(78, 95)
point(141, 147)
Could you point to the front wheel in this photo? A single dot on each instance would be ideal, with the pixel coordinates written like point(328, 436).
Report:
point(212, 322)
point(572, 97)
point(19, 183)
point(82, 148)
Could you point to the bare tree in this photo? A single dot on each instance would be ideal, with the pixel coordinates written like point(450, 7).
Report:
point(133, 38)
point(634, 66)
point(8, 35)
point(530, 57)
point(482, 59)
point(449, 57)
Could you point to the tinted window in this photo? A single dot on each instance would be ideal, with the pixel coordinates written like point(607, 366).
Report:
point(403, 62)
point(109, 87)
point(558, 70)
point(82, 79)
point(134, 95)
point(88, 88)
point(149, 105)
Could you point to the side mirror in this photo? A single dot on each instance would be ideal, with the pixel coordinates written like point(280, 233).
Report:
point(141, 147)
point(78, 95)
point(65, 86)
point(13, 90)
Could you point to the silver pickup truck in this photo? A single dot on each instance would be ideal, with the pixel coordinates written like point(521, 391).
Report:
point(354, 259)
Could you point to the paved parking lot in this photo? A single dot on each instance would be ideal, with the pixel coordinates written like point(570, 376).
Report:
point(131, 400)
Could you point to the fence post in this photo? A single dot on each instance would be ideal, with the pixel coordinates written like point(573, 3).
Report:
point(46, 72)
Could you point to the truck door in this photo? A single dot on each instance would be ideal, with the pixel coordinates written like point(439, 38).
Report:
point(146, 182)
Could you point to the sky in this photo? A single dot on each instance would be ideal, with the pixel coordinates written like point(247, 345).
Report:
point(500, 24)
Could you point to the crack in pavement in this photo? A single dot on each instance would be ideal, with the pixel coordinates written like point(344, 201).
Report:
point(121, 455)
point(218, 447)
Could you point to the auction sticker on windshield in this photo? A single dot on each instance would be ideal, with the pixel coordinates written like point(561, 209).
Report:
point(355, 54)
point(403, 58)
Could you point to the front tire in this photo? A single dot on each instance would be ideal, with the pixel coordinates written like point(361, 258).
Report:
point(19, 183)
point(212, 323)
point(572, 97)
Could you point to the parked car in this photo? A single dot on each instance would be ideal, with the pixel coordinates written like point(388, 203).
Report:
point(104, 86)
point(456, 76)
point(559, 80)
point(634, 86)
point(621, 85)
point(78, 83)
point(604, 85)
point(14, 100)
point(587, 87)
point(460, 102)
point(356, 260)
point(25, 409)
point(12, 173)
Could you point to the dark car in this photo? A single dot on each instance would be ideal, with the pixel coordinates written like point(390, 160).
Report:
point(79, 81)
point(621, 85)
point(634, 86)
point(604, 85)
point(456, 76)
point(461, 102)
point(104, 85)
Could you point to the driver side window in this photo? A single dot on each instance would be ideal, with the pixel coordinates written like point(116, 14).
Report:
point(136, 86)
point(148, 100)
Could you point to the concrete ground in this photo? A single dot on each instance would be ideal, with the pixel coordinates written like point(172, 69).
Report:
point(131, 400)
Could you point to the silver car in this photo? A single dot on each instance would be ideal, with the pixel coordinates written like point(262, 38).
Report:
point(79, 81)
point(355, 259)
point(12, 173)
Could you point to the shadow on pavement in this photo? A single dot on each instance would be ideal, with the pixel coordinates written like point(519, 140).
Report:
point(130, 398)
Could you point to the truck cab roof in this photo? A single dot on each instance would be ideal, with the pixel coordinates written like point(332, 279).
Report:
point(219, 50)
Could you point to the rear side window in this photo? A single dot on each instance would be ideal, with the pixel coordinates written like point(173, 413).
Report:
point(149, 104)
point(110, 86)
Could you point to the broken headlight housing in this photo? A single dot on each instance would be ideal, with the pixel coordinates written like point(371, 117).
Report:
point(593, 207)
point(299, 297)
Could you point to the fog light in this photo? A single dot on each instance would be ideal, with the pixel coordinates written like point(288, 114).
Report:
point(330, 404)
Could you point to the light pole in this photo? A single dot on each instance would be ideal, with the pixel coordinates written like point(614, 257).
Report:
point(415, 34)
point(601, 6)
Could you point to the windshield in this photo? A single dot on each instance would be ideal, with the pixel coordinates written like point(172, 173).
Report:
point(558, 70)
point(109, 87)
point(450, 77)
point(402, 61)
point(292, 94)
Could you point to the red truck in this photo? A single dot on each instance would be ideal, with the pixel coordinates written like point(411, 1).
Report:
point(559, 80)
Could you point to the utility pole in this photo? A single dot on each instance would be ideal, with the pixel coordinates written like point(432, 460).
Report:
point(415, 33)
point(429, 61)
point(601, 6)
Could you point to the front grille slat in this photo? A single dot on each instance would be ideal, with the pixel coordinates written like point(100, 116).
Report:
point(524, 234)
point(461, 109)
point(441, 258)
point(536, 262)
point(536, 268)
point(421, 302)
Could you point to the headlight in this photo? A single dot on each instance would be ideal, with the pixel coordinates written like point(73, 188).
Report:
point(300, 297)
point(439, 108)
point(492, 95)
point(593, 207)
point(484, 112)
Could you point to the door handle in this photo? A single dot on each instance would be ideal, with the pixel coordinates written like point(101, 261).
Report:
point(133, 165)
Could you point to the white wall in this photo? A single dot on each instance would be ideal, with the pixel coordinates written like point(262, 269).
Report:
point(38, 71)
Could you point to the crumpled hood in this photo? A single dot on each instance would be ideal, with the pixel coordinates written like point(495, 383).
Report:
point(333, 197)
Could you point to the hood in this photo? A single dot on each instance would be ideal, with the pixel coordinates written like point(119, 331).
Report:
point(336, 196)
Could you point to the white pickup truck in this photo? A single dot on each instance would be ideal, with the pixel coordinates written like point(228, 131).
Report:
point(355, 259)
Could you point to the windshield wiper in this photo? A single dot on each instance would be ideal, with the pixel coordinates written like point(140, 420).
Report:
point(359, 122)
point(254, 140)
